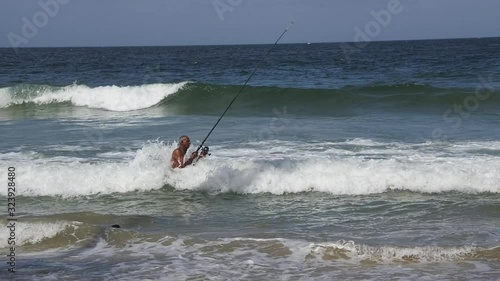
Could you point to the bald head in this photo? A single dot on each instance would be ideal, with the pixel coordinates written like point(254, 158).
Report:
point(184, 142)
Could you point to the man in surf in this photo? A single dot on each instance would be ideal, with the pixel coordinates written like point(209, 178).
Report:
point(177, 160)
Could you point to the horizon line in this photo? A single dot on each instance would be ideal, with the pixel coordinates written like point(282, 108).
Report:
point(253, 44)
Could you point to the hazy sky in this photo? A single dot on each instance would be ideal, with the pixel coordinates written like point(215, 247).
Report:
point(31, 23)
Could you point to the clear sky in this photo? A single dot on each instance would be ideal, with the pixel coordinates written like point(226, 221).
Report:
point(33, 23)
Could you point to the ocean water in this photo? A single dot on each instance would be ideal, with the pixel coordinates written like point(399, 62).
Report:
point(381, 163)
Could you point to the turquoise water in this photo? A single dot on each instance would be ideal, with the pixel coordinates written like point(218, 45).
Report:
point(383, 165)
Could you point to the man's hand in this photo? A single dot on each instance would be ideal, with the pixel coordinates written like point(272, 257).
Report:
point(194, 155)
point(191, 159)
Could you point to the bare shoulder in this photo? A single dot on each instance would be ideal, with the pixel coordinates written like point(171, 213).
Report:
point(176, 152)
point(177, 158)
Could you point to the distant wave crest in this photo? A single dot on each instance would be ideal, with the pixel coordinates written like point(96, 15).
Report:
point(113, 98)
point(196, 98)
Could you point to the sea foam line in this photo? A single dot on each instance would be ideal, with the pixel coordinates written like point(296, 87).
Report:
point(149, 169)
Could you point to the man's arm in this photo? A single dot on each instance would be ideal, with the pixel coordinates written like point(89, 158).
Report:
point(177, 159)
point(190, 160)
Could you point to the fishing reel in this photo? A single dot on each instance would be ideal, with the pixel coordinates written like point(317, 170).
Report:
point(204, 151)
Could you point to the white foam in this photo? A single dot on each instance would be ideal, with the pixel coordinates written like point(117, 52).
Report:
point(391, 253)
point(346, 176)
point(48, 177)
point(256, 171)
point(5, 97)
point(117, 154)
point(113, 98)
point(175, 258)
point(33, 233)
point(67, 148)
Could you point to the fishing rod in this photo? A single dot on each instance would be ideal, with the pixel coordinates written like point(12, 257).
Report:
point(241, 89)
